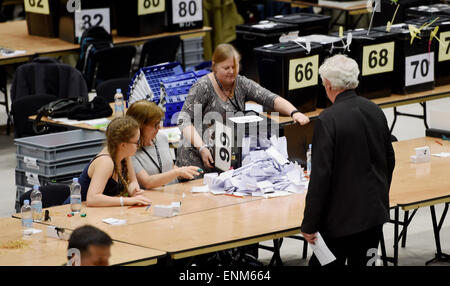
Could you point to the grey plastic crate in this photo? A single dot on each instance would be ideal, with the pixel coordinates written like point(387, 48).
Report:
point(61, 146)
point(192, 44)
point(54, 169)
point(192, 58)
point(22, 180)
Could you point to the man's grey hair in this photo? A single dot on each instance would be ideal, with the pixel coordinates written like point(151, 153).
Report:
point(341, 71)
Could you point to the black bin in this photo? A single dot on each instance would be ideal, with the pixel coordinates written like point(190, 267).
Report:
point(288, 70)
point(93, 13)
point(442, 51)
point(250, 36)
point(133, 20)
point(184, 15)
point(374, 54)
point(307, 23)
point(414, 65)
point(433, 10)
point(42, 18)
point(330, 46)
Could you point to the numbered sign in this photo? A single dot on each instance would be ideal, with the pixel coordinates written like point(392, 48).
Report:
point(303, 72)
point(85, 19)
point(444, 48)
point(186, 11)
point(419, 69)
point(37, 6)
point(378, 58)
point(222, 156)
point(151, 6)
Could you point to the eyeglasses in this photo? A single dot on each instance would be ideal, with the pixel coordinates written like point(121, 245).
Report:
point(138, 143)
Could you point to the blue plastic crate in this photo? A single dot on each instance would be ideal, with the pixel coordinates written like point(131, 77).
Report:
point(146, 82)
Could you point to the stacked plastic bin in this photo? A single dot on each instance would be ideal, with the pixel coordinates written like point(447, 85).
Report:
point(54, 158)
point(146, 82)
point(174, 90)
point(193, 52)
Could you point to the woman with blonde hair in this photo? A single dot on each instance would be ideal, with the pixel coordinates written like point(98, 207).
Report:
point(223, 90)
point(109, 179)
point(152, 162)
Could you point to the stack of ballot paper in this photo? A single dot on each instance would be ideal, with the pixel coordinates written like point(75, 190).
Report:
point(266, 173)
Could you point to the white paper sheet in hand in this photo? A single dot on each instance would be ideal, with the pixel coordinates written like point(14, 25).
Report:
point(322, 252)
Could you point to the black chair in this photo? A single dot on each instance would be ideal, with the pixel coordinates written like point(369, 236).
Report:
point(24, 107)
point(52, 195)
point(3, 90)
point(107, 89)
point(159, 50)
point(109, 63)
point(48, 76)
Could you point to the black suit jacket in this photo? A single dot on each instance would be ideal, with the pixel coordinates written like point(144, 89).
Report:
point(352, 165)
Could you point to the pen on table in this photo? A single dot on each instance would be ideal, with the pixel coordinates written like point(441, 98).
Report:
point(438, 142)
point(146, 209)
point(231, 195)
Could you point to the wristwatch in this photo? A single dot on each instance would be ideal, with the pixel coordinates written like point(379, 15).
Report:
point(201, 148)
point(294, 112)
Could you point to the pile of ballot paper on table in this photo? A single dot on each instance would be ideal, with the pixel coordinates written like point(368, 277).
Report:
point(265, 172)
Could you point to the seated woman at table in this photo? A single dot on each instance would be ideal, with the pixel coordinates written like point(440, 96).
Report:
point(152, 162)
point(221, 91)
point(109, 178)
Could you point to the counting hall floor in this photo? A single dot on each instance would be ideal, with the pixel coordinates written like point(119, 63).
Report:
point(420, 245)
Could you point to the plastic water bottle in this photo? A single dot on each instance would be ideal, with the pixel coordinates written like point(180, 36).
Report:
point(36, 203)
point(308, 160)
point(119, 107)
point(75, 196)
point(27, 219)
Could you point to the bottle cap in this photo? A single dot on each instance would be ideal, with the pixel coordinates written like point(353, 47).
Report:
point(119, 90)
point(26, 202)
point(75, 180)
point(310, 145)
point(35, 187)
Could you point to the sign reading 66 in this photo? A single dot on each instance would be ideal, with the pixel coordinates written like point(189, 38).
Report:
point(303, 72)
point(378, 58)
point(222, 156)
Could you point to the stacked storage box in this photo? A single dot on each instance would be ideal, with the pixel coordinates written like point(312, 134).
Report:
point(193, 52)
point(174, 90)
point(54, 158)
point(146, 82)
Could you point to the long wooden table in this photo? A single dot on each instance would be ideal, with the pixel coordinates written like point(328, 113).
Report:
point(210, 223)
point(39, 250)
point(217, 229)
point(14, 35)
point(191, 203)
point(418, 185)
point(394, 100)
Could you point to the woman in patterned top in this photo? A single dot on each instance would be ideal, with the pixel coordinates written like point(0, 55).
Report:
point(221, 91)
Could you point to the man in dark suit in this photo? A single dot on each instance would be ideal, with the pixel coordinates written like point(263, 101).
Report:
point(352, 164)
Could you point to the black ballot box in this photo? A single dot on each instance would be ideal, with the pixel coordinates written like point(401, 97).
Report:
point(91, 13)
point(237, 134)
point(433, 10)
point(374, 53)
point(414, 60)
point(137, 18)
point(251, 36)
point(42, 17)
point(330, 46)
point(307, 23)
point(291, 71)
point(184, 15)
point(442, 48)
